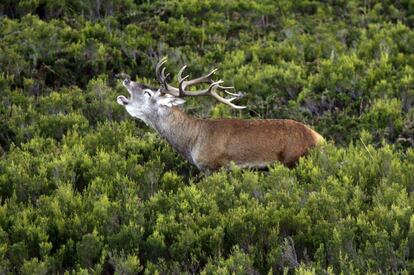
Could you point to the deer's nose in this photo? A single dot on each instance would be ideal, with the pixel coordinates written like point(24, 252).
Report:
point(126, 82)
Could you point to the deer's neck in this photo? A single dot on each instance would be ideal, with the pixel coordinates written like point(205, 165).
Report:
point(178, 128)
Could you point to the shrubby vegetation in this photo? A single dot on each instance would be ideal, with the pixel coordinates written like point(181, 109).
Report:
point(84, 188)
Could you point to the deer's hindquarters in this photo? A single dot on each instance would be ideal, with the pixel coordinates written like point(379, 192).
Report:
point(252, 143)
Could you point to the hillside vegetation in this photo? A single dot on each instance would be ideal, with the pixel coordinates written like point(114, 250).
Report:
point(86, 189)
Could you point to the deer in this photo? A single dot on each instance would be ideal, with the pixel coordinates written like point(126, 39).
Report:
point(210, 144)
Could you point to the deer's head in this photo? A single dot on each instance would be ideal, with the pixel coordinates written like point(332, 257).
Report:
point(145, 101)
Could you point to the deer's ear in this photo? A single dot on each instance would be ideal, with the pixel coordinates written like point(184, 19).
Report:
point(170, 101)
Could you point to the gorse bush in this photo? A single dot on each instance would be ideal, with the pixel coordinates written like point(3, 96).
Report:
point(84, 188)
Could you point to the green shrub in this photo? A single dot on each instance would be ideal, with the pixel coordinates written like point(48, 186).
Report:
point(85, 188)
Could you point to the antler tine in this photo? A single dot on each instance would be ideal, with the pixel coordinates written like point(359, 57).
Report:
point(181, 89)
point(180, 73)
point(202, 79)
point(163, 74)
point(167, 87)
point(211, 90)
point(162, 78)
point(225, 100)
point(238, 95)
point(203, 92)
point(159, 65)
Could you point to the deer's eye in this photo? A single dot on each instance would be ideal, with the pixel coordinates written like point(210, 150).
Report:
point(148, 92)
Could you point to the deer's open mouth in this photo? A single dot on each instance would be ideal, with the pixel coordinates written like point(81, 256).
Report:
point(122, 100)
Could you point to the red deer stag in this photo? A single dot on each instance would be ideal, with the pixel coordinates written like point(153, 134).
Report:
point(213, 143)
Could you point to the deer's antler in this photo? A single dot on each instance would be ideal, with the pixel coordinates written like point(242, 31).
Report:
point(181, 91)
